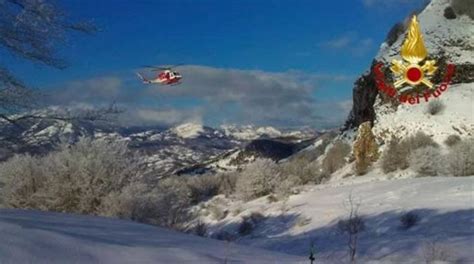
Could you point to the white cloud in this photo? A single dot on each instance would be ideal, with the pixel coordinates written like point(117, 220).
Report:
point(214, 95)
point(251, 96)
point(340, 42)
point(90, 90)
point(351, 42)
point(345, 105)
point(166, 116)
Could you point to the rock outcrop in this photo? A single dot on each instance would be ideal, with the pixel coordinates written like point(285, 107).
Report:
point(365, 148)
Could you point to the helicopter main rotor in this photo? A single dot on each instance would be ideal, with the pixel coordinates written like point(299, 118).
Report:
point(161, 67)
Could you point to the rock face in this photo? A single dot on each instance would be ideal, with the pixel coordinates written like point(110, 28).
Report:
point(363, 97)
point(365, 148)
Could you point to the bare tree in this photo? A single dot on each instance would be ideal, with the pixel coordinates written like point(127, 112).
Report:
point(33, 30)
point(352, 226)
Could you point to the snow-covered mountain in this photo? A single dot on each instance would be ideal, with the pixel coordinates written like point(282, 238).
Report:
point(448, 39)
point(165, 151)
point(249, 132)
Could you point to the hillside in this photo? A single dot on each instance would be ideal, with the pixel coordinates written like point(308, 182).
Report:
point(444, 206)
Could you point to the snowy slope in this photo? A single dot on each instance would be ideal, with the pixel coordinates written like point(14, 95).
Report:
point(40, 237)
point(457, 117)
point(188, 130)
point(445, 205)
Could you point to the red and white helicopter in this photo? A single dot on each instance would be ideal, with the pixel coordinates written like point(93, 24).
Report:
point(165, 75)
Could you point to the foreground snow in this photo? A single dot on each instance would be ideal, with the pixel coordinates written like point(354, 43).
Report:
point(42, 237)
point(444, 205)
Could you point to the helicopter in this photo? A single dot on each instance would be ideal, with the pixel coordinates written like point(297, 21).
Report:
point(165, 76)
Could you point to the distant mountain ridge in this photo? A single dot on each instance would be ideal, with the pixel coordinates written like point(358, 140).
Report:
point(165, 151)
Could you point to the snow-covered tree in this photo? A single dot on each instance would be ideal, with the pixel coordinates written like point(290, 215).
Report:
point(73, 179)
point(258, 179)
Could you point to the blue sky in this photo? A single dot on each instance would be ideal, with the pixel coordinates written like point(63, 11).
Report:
point(267, 62)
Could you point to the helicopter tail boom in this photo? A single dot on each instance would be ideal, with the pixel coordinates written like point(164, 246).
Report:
point(144, 80)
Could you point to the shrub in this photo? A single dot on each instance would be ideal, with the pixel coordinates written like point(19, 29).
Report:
point(452, 140)
point(164, 205)
point(284, 188)
point(418, 140)
point(132, 202)
point(320, 175)
point(297, 169)
point(461, 158)
point(256, 217)
point(449, 13)
point(249, 223)
point(258, 179)
point(227, 182)
point(200, 229)
point(246, 227)
point(23, 178)
point(408, 220)
point(74, 179)
point(203, 187)
point(397, 153)
point(301, 171)
point(335, 157)
point(272, 198)
point(302, 220)
point(171, 200)
point(217, 212)
point(353, 225)
point(393, 156)
point(427, 161)
point(435, 107)
point(237, 211)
